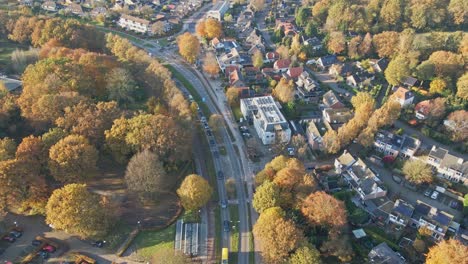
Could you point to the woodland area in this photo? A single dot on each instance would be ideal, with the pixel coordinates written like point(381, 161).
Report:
point(86, 97)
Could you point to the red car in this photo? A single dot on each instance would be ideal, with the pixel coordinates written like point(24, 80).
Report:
point(49, 248)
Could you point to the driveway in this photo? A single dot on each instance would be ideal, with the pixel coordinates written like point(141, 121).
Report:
point(408, 195)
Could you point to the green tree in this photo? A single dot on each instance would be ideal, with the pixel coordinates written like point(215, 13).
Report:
point(53, 136)
point(7, 148)
point(266, 196)
point(302, 16)
point(462, 86)
point(306, 255)
point(397, 70)
point(425, 70)
point(145, 175)
point(77, 211)
point(417, 172)
point(311, 29)
point(194, 192)
point(73, 159)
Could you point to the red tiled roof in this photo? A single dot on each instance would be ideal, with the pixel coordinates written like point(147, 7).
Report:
point(294, 72)
point(423, 107)
point(283, 63)
point(272, 55)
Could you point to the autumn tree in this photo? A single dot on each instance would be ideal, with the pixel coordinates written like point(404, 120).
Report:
point(353, 47)
point(200, 29)
point(462, 86)
point(121, 86)
point(458, 125)
point(300, 144)
point(437, 109)
point(366, 45)
point(189, 46)
point(257, 59)
point(194, 192)
point(257, 5)
point(72, 159)
point(64, 211)
point(266, 196)
point(397, 70)
point(145, 174)
point(296, 46)
point(457, 10)
point(447, 251)
point(417, 172)
point(322, 209)
point(438, 85)
point(89, 120)
point(53, 136)
point(213, 28)
point(391, 12)
point(277, 235)
point(284, 91)
point(336, 42)
point(306, 255)
point(331, 142)
point(232, 95)
point(283, 51)
point(7, 148)
point(210, 64)
point(386, 43)
point(447, 64)
point(216, 123)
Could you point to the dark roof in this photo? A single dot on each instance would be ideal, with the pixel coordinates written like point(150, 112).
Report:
point(410, 142)
point(330, 98)
point(403, 208)
point(410, 81)
point(422, 208)
point(383, 254)
point(442, 219)
point(328, 60)
point(382, 63)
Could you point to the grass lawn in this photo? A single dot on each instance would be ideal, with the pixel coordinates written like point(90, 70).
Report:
point(117, 235)
point(6, 48)
point(234, 215)
point(150, 242)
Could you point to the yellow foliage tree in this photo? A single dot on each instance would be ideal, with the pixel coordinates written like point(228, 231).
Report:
point(189, 46)
point(194, 192)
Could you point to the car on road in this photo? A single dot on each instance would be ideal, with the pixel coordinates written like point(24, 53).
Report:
point(43, 254)
point(434, 195)
point(36, 242)
point(220, 175)
point(226, 226)
point(98, 243)
point(216, 154)
point(428, 192)
point(212, 142)
point(208, 132)
point(224, 204)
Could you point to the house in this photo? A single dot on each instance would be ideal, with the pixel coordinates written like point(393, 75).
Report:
point(272, 56)
point(246, 92)
point(448, 165)
point(218, 45)
point(422, 109)
point(401, 213)
point(75, 9)
point(359, 79)
point(235, 79)
point(49, 6)
point(100, 10)
point(314, 136)
point(437, 221)
point(269, 122)
point(380, 65)
point(410, 81)
point(327, 61)
point(253, 75)
point(286, 25)
point(218, 10)
point(341, 69)
point(307, 88)
point(282, 65)
point(335, 118)
point(294, 73)
point(254, 39)
point(245, 19)
point(134, 23)
point(315, 43)
point(359, 177)
point(383, 254)
point(404, 96)
point(331, 101)
point(229, 58)
point(393, 145)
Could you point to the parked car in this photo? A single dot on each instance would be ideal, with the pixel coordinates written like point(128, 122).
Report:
point(455, 205)
point(36, 242)
point(48, 248)
point(428, 192)
point(43, 254)
point(226, 226)
point(434, 195)
point(16, 234)
point(98, 243)
point(10, 239)
point(220, 175)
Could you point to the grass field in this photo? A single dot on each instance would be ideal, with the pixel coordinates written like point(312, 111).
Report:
point(150, 242)
point(234, 215)
point(6, 48)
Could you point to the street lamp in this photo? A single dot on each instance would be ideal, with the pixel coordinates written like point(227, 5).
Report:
point(16, 224)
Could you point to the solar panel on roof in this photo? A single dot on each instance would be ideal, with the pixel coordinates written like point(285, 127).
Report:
point(442, 219)
point(422, 208)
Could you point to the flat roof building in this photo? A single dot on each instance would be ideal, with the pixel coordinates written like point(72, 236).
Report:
point(267, 118)
point(218, 10)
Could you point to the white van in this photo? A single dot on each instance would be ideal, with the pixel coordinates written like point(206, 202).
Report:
point(434, 195)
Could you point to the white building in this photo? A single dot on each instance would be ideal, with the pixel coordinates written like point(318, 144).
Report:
point(448, 166)
point(268, 120)
point(134, 23)
point(218, 10)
